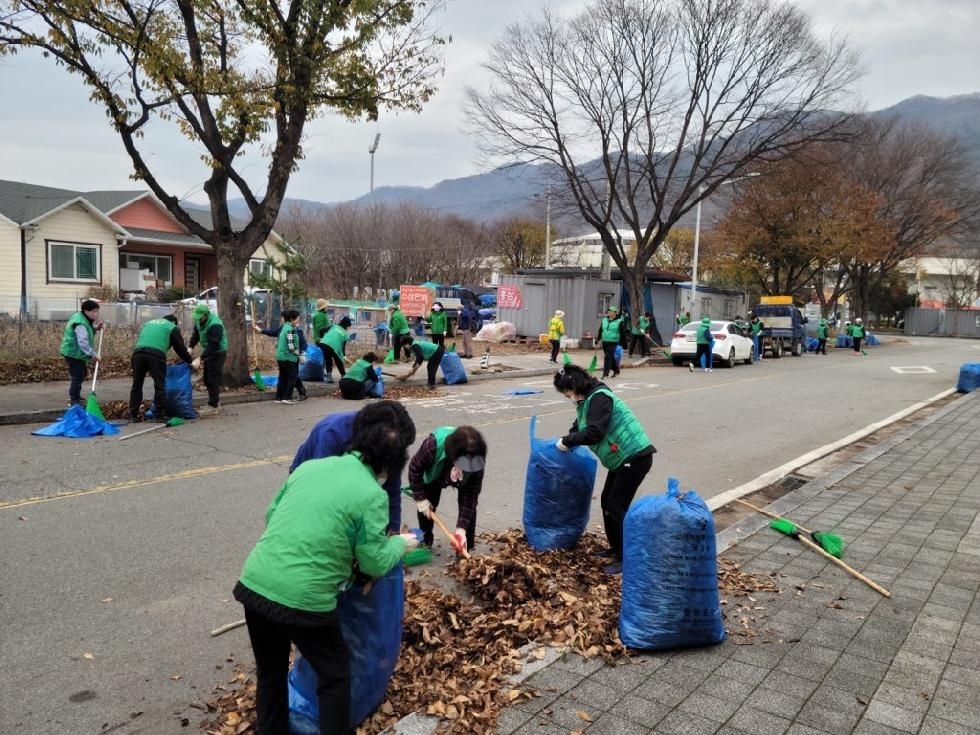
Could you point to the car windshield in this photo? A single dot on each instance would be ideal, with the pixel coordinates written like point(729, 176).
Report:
point(693, 327)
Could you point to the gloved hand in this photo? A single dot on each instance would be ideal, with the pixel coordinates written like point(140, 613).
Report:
point(302, 359)
point(196, 364)
point(455, 474)
point(560, 444)
point(411, 540)
point(424, 507)
point(458, 541)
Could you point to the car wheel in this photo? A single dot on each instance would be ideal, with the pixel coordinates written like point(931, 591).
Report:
point(777, 349)
point(678, 361)
point(730, 362)
point(797, 349)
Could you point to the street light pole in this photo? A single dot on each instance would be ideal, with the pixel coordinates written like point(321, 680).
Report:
point(371, 150)
point(547, 230)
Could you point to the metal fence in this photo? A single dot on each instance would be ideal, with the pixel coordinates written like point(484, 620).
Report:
point(942, 322)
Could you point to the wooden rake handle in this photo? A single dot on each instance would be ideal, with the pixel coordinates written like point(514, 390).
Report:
point(807, 542)
point(765, 512)
point(442, 527)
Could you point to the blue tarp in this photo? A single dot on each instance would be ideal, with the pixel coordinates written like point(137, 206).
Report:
point(75, 423)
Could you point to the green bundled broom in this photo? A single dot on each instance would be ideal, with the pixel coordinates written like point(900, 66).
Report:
point(593, 366)
point(829, 542)
point(92, 403)
point(389, 358)
point(566, 359)
point(256, 373)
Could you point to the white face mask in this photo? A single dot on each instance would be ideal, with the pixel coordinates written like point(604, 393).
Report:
point(437, 308)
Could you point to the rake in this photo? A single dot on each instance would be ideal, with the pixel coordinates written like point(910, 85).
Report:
point(829, 542)
point(92, 407)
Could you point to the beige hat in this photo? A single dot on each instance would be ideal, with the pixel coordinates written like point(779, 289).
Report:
point(321, 304)
point(559, 313)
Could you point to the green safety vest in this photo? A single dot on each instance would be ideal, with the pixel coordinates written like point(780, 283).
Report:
point(282, 349)
point(321, 323)
point(155, 335)
point(69, 342)
point(704, 334)
point(330, 512)
point(428, 348)
point(624, 438)
point(757, 326)
point(360, 371)
point(857, 330)
point(203, 331)
point(437, 321)
point(823, 331)
point(335, 338)
point(641, 327)
point(610, 329)
point(397, 323)
point(435, 471)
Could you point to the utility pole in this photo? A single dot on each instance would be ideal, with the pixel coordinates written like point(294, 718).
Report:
point(547, 230)
point(372, 150)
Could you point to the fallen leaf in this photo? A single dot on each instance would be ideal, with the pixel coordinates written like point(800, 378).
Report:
point(89, 656)
point(585, 716)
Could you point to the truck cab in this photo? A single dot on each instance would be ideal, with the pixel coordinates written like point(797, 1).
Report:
point(782, 327)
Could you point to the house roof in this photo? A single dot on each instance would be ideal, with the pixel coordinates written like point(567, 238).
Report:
point(158, 237)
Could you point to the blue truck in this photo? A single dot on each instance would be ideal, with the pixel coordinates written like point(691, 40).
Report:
point(782, 328)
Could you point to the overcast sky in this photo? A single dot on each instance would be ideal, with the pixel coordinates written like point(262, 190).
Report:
point(50, 133)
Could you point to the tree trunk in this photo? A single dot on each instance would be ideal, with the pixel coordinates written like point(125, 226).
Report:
point(233, 257)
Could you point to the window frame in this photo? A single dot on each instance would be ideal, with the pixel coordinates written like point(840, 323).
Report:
point(156, 257)
point(265, 267)
point(49, 261)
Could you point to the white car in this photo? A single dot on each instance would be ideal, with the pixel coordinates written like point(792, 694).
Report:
point(210, 297)
point(731, 345)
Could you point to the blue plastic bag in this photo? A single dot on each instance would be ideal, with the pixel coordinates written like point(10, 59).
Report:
point(670, 573)
point(811, 344)
point(557, 493)
point(618, 355)
point(180, 394)
point(870, 340)
point(844, 340)
point(372, 626)
point(969, 379)
point(312, 370)
point(377, 388)
point(453, 371)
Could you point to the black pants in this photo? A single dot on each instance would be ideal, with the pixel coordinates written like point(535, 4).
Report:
point(77, 370)
point(214, 367)
point(822, 346)
point(704, 357)
point(555, 346)
point(609, 359)
point(432, 366)
point(426, 525)
point(288, 372)
point(439, 339)
point(353, 390)
point(331, 358)
point(857, 345)
point(327, 652)
point(401, 342)
point(153, 363)
point(641, 340)
point(617, 494)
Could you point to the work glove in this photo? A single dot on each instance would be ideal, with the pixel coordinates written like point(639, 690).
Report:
point(196, 364)
point(411, 540)
point(458, 541)
point(560, 444)
point(425, 508)
point(302, 359)
point(455, 474)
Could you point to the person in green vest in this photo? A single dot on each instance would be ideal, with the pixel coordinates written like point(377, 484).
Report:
point(606, 425)
point(431, 354)
point(857, 333)
point(556, 329)
point(287, 357)
point(330, 514)
point(334, 345)
point(823, 332)
point(209, 332)
point(361, 378)
point(321, 322)
point(706, 345)
point(449, 457)
point(438, 324)
point(155, 339)
point(756, 326)
point(400, 332)
point(683, 319)
point(638, 341)
point(612, 333)
point(78, 347)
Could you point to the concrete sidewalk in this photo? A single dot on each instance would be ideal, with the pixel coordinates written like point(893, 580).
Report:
point(34, 403)
point(832, 656)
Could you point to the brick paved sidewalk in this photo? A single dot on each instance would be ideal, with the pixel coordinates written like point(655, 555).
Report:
point(832, 656)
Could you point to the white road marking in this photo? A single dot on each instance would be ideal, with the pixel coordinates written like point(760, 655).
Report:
point(913, 370)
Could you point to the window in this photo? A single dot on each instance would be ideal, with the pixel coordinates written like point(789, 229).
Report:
point(260, 268)
point(604, 300)
point(729, 310)
point(158, 265)
point(69, 261)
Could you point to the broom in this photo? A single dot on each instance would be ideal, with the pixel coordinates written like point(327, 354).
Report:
point(593, 366)
point(829, 542)
point(92, 404)
point(256, 374)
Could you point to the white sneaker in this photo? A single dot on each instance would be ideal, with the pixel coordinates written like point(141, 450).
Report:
point(287, 402)
point(710, 370)
point(690, 365)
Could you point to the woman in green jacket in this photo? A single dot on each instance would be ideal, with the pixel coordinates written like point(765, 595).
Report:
point(330, 514)
point(438, 323)
point(78, 347)
point(360, 379)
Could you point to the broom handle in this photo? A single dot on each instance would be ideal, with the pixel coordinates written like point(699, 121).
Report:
point(765, 512)
point(850, 570)
point(228, 626)
point(95, 374)
point(442, 527)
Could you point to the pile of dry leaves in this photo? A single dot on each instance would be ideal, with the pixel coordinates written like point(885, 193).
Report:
point(459, 650)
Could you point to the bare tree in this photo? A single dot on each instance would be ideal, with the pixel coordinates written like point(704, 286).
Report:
point(232, 76)
point(647, 106)
point(519, 242)
point(961, 258)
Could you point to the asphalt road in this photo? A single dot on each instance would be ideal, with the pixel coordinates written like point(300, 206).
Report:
point(117, 558)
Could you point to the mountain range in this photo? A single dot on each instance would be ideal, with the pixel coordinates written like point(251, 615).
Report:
point(518, 189)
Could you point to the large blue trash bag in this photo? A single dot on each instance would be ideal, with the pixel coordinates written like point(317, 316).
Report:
point(180, 394)
point(844, 340)
point(377, 389)
point(557, 493)
point(811, 344)
point(670, 573)
point(453, 371)
point(969, 379)
point(75, 423)
point(871, 340)
point(372, 627)
point(618, 355)
point(312, 370)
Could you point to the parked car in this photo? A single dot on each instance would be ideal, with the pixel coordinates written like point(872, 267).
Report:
point(210, 296)
point(731, 344)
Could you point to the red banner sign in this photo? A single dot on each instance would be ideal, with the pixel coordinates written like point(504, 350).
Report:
point(415, 300)
point(510, 297)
